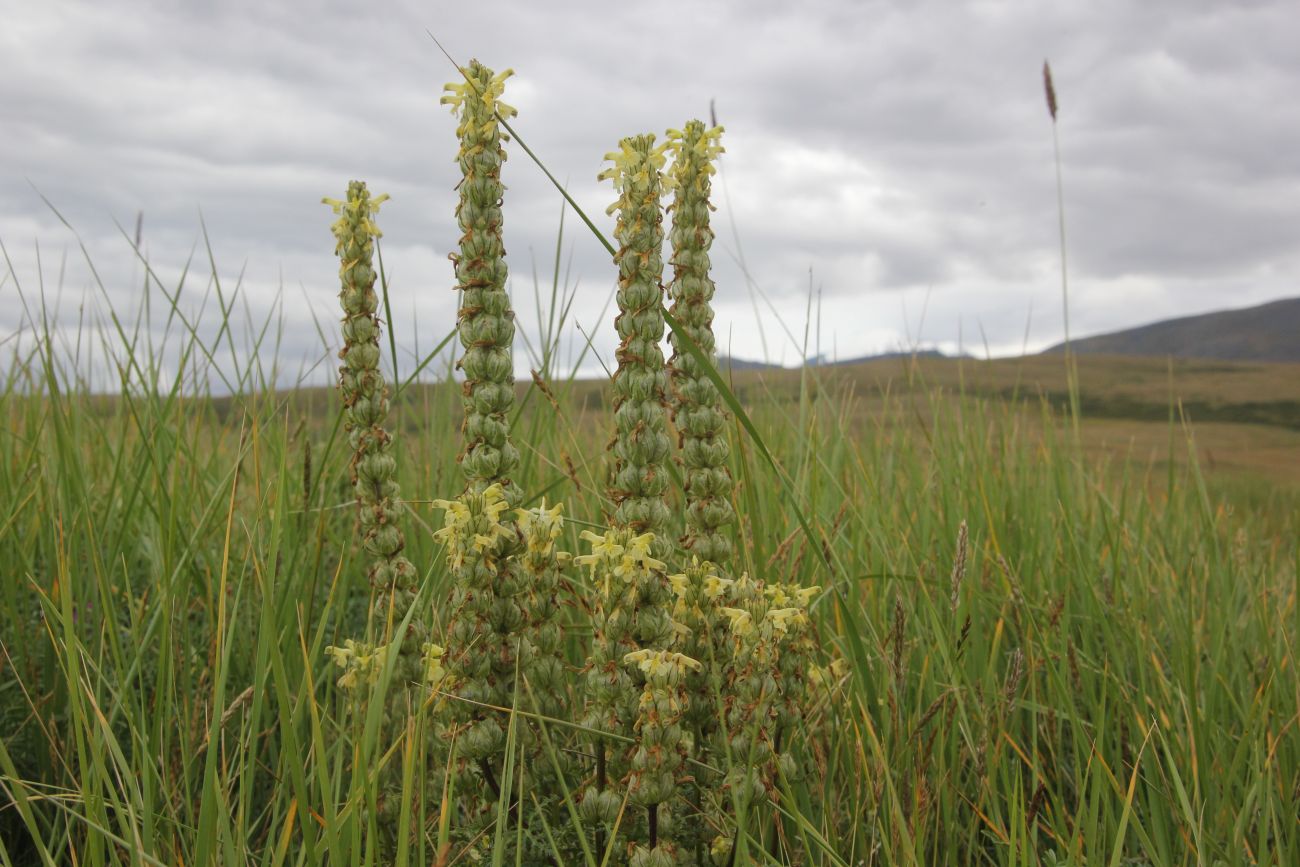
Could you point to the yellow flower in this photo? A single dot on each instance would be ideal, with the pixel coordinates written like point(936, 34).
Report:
point(494, 502)
point(715, 586)
point(741, 622)
point(681, 630)
point(458, 92)
point(455, 96)
point(720, 847)
point(776, 592)
point(358, 660)
point(806, 594)
point(544, 522)
point(603, 549)
point(342, 655)
point(433, 670)
point(456, 517)
point(622, 174)
point(661, 663)
point(680, 585)
point(782, 619)
point(637, 656)
point(373, 663)
point(638, 554)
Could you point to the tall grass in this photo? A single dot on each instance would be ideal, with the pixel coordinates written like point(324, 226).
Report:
point(1110, 678)
point(1046, 659)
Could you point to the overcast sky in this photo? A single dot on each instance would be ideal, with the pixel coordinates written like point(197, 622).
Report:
point(896, 157)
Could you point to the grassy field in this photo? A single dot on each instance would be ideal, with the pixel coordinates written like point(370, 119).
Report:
point(1240, 420)
point(1246, 416)
point(1037, 636)
point(1111, 679)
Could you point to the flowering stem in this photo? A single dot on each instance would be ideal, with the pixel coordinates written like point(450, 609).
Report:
point(697, 406)
point(365, 399)
point(641, 444)
point(486, 326)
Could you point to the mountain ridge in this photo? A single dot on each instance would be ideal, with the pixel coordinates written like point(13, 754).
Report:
point(1265, 332)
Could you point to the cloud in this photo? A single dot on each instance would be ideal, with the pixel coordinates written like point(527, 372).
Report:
point(890, 155)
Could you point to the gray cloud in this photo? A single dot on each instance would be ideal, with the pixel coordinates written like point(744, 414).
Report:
point(901, 153)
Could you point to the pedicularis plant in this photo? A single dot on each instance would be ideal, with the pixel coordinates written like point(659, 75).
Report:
point(656, 727)
point(697, 407)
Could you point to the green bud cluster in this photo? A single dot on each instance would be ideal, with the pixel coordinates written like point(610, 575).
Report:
point(486, 323)
point(798, 659)
point(488, 604)
point(662, 745)
point(543, 648)
point(505, 605)
point(365, 400)
point(639, 481)
point(630, 614)
point(379, 507)
point(695, 667)
point(765, 621)
point(697, 407)
point(487, 611)
point(704, 635)
point(542, 663)
point(504, 622)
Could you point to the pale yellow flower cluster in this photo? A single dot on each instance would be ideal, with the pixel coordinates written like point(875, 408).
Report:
point(460, 93)
point(774, 622)
point(708, 147)
point(617, 554)
point(742, 623)
point(541, 527)
point(472, 525)
point(712, 587)
point(661, 666)
point(631, 171)
point(785, 594)
point(360, 662)
point(343, 228)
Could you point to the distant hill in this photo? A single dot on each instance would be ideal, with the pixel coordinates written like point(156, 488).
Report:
point(1269, 332)
point(866, 359)
point(821, 361)
point(726, 362)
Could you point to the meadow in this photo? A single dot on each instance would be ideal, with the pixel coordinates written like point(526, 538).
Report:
point(1045, 637)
